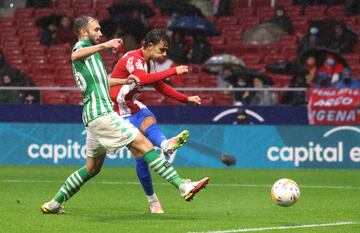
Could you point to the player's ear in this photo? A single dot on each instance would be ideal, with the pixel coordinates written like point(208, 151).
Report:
point(83, 31)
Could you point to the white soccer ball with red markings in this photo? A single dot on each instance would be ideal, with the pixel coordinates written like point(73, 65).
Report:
point(285, 192)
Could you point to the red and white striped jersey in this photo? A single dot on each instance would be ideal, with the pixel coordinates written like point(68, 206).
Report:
point(125, 96)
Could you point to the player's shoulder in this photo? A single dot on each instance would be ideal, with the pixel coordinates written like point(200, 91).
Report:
point(134, 55)
point(81, 44)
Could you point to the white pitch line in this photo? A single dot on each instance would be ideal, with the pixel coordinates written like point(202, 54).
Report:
point(279, 227)
point(216, 185)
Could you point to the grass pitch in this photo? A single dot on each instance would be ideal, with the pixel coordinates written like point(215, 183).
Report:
point(236, 200)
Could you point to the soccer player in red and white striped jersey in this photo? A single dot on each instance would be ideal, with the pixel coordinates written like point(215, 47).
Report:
point(141, 63)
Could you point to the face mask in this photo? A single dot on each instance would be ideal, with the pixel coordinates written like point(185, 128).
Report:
point(330, 62)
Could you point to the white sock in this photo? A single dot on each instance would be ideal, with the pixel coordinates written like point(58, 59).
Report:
point(152, 198)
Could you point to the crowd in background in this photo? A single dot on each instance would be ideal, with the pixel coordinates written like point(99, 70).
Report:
point(325, 70)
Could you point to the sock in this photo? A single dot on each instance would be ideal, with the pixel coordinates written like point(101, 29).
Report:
point(143, 173)
point(154, 135)
point(163, 168)
point(152, 198)
point(72, 185)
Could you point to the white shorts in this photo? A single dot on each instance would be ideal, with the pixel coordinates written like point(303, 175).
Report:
point(108, 133)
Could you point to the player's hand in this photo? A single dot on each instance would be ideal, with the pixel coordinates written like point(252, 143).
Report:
point(195, 100)
point(182, 69)
point(132, 79)
point(114, 43)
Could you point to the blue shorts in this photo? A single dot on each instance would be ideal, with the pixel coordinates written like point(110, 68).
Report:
point(139, 117)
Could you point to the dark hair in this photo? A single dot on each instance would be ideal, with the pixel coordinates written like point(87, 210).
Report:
point(155, 36)
point(81, 22)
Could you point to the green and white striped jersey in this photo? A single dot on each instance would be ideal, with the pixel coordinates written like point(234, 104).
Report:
point(91, 77)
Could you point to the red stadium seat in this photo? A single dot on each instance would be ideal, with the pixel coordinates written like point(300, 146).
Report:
point(85, 11)
point(335, 11)
point(23, 12)
point(63, 4)
point(158, 22)
point(55, 98)
point(43, 12)
point(7, 22)
point(82, 4)
point(151, 98)
point(103, 4)
point(75, 98)
point(222, 99)
point(65, 11)
point(226, 21)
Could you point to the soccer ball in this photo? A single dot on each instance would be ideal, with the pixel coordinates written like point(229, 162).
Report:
point(285, 192)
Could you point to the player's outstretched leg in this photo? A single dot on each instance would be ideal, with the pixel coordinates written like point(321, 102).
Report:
point(174, 143)
point(143, 173)
point(68, 189)
point(72, 185)
point(163, 168)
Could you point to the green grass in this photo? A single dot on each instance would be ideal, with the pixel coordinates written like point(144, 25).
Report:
point(234, 199)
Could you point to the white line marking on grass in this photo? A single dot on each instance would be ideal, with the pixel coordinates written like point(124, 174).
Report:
point(216, 185)
point(280, 227)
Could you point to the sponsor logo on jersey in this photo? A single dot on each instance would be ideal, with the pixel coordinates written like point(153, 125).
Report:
point(139, 65)
point(130, 65)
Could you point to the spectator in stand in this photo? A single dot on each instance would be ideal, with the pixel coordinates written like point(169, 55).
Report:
point(178, 48)
point(48, 34)
point(347, 80)
point(312, 68)
point(322, 80)
point(242, 97)
point(264, 97)
point(331, 67)
point(8, 96)
point(3, 63)
point(281, 19)
point(64, 33)
point(342, 42)
point(200, 50)
point(310, 41)
point(351, 7)
point(242, 117)
point(296, 97)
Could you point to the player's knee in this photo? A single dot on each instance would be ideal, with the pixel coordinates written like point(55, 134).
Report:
point(142, 144)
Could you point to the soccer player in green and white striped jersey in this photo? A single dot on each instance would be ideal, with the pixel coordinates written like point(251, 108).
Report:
point(106, 130)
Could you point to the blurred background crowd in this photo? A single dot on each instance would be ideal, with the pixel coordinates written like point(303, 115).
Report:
point(227, 43)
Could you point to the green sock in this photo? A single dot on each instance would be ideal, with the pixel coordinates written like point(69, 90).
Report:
point(163, 168)
point(72, 185)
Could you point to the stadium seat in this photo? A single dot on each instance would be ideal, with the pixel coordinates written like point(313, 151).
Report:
point(158, 22)
point(65, 11)
point(54, 98)
point(21, 13)
point(75, 98)
point(43, 12)
point(222, 99)
point(82, 4)
point(151, 98)
point(63, 4)
point(85, 11)
point(103, 4)
point(226, 21)
point(335, 11)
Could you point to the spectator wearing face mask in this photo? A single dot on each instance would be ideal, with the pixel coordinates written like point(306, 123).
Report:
point(347, 80)
point(332, 68)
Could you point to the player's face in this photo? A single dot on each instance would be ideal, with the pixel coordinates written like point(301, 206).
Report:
point(93, 31)
point(159, 51)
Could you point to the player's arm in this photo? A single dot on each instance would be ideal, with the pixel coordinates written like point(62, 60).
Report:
point(129, 80)
point(172, 93)
point(146, 79)
point(88, 51)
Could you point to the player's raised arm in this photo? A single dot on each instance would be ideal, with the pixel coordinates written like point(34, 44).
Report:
point(88, 51)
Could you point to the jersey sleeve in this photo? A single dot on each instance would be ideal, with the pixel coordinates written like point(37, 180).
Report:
point(170, 92)
point(136, 65)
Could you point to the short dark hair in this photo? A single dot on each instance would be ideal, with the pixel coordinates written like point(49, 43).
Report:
point(155, 36)
point(81, 22)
